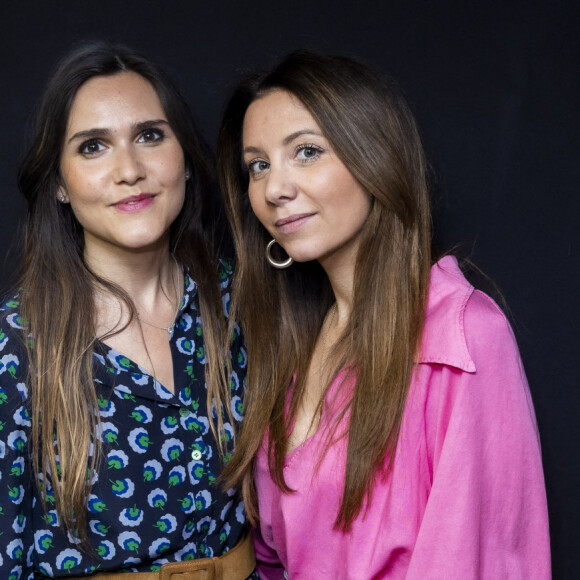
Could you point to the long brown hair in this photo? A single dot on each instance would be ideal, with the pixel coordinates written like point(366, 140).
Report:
point(371, 129)
point(57, 285)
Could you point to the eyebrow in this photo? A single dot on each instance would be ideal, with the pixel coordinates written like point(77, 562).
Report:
point(104, 132)
point(288, 139)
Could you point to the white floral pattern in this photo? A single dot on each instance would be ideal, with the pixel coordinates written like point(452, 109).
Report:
point(154, 499)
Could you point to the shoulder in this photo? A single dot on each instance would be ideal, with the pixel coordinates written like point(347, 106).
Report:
point(225, 278)
point(223, 274)
point(469, 364)
point(10, 312)
point(13, 357)
point(461, 323)
point(225, 270)
point(11, 324)
point(484, 318)
point(489, 336)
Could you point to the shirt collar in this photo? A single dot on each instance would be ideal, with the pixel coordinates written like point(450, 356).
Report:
point(443, 340)
point(189, 291)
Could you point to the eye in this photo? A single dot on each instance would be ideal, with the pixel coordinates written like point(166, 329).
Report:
point(151, 135)
point(91, 147)
point(257, 166)
point(307, 152)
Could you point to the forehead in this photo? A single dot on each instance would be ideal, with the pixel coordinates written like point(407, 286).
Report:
point(276, 114)
point(115, 100)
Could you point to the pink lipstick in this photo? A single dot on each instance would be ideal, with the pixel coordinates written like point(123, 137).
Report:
point(135, 203)
point(293, 223)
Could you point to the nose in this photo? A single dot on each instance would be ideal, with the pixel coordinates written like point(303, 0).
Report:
point(280, 185)
point(128, 167)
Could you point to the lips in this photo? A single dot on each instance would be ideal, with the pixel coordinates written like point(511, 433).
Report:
point(135, 203)
point(293, 223)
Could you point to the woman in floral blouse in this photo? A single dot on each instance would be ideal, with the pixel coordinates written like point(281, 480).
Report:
point(117, 405)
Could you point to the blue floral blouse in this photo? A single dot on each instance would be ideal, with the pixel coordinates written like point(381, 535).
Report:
point(154, 499)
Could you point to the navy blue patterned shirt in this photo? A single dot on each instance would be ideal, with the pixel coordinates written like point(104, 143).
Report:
point(154, 498)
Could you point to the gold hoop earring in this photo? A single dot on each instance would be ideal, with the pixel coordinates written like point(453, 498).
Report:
point(274, 263)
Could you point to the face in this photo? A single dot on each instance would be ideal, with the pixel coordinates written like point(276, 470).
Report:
point(299, 189)
point(122, 167)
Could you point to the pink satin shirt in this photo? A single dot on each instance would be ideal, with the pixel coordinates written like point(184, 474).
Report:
point(465, 498)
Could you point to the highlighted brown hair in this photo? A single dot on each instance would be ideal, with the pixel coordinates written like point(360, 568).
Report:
point(57, 285)
point(373, 132)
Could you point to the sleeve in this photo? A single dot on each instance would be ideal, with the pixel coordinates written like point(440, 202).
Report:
point(267, 562)
point(16, 535)
point(237, 351)
point(486, 514)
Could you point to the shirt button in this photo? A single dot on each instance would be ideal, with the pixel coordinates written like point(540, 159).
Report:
point(196, 454)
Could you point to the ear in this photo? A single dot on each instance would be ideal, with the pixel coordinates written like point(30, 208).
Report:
point(62, 195)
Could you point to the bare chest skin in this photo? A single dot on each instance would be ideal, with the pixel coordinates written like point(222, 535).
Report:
point(308, 416)
point(145, 345)
point(319, 375)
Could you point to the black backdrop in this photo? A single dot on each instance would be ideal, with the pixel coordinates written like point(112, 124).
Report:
point(495, 88)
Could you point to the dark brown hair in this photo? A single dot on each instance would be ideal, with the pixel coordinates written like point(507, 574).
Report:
point(371, 129)
point(57, 285)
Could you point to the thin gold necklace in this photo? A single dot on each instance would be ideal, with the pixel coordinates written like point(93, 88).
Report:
point(177, 287)
point(169, 329)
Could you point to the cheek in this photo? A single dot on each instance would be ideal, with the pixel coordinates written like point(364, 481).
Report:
point(360, 213)
point(81, 186)
point(365, 206)
point(355, 200)
point(83, 181)
point(258, 205)
point(165, 163)
point(172, 170)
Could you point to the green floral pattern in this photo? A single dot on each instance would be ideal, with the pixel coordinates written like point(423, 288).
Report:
point(155, 498)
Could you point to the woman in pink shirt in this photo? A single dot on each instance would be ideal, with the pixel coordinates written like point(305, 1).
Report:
point(389, 429)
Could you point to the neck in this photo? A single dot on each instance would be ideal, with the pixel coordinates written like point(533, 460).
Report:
point(341, 278)
point(146, 276)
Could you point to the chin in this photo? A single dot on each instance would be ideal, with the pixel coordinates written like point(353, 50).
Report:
point(142, 245)
point(301, 259)
point(306, 255)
